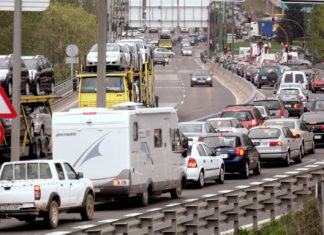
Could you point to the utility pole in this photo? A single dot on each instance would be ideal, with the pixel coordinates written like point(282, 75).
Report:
point(233, 34)
point(313, 32)
point(208, 35)
point(225, 23)
point(110, 21)
point(215, 28)
point(220, 26)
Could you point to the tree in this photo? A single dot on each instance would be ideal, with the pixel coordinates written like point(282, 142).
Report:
point(318, 28)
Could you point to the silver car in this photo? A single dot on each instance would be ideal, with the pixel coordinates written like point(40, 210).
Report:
point(276, 143)
point(186, 51)
point(299, 127)
point(196, 130)
point(227, 125)
point(164, 51)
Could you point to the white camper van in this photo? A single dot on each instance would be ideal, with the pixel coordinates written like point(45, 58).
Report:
point(138, 152)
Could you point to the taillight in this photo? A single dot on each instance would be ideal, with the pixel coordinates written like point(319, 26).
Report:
point(37, 192)
point(254, 122)
point(301, 97)
point(192, 163)
point(282, 113)
point(296, 105)
point(322, 127)
point(307, 87)
point(276, 143)
point(239, 151)
point(89, 113)
point(200, 139)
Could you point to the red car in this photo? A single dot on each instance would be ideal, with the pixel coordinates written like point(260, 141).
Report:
point(318, 83)
point(248, 115)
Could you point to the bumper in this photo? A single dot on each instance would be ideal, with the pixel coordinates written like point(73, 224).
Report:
point(18, 213)
point(269, 156)
point(234, 165)
point(319, 138)
point(201, 82)
point(193, 174)
point(295, 111)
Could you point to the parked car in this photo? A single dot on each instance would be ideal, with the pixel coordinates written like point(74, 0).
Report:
point(293, 104)
point(238, 153)
point(195, 130)
point(186, 51)
point(227, 125)
point(203, 165)
point(317, 105)
point(268, 75)
point(41, 74)
point(275, 106)
point(299, 127)
point(318, 83)
point(31, 189)
point(315, 124)
point(248, 115)
point(6, 72)
point(201, 77)
point(164, 51)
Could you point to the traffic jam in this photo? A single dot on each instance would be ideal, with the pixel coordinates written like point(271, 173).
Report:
point(73, 159)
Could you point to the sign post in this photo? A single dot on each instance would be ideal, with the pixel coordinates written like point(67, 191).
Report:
point(72, 51)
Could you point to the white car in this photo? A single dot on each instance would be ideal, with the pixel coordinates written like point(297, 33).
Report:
point(292, 89)
point(164, 51)
point(203, 164)
point(299, 127)
point(227, 125)
point(146, 55)
point(186, 51)
point(44, 188)
point(295, 77)
point(114, 56)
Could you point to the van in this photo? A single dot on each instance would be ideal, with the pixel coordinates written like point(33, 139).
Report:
point(293, 77)
point(125, 152)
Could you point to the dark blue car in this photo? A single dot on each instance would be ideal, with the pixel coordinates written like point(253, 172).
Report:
point(238, 152)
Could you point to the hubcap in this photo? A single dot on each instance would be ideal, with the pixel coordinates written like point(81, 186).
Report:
point(201, 178)
point(89, 206)
point(222, 176)
point(247, 169)
point(54, 214)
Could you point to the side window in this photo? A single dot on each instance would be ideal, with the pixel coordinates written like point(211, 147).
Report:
point(40, 65)
point(209, 128)
point(45, 63)
point(208, 150)
point(303, 126)
point(135, 131)
point(144, 148)
point(32, 171)
point(45, 171)
point(20, 171)
point(201, 150)
point(59, 171)
point(287, 133)
point(157, 138)
point(175, 140)
point(7, 173)
point(70, 172)
point(247, 141)
point(257, 114)
point(238, 142)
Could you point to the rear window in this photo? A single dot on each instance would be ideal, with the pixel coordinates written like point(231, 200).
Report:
point(289, 98)
point(222, 141)
point(316, 117)
point(220, 123)
point(319, 105)
point(320, 79)
point(260, 133)
point(299, 78)
point(270, 104)
point(289, 124)
point(288, 78)
point(239, 115)
point(288, 91)
point(191, 128)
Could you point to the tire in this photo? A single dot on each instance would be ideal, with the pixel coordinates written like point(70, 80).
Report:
point(257, 170)
point(176, 193)
point(145, 198)
point(9, 89)
point(221, 177)
point(201, 180)
point(87, 211)
point(245, 173)
point(287, 160)
point(52, 216)
point(303, 150)
point(53, 88)
point(27, 90)
point(259, 86)
point(37, 89)
point(312, 151)
point(38, 149)
point(300, 156)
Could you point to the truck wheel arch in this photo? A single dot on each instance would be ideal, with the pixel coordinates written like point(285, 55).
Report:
point(53, 196)
point(86, 193)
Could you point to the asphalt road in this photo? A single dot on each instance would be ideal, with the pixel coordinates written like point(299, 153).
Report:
point(173, 89)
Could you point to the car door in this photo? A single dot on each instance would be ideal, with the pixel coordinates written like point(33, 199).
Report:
point(204, 160)
point(307, 135)
point(293, 142)
point(251, 151)
point(63, 187)
point(76, 190)
point(214, 162)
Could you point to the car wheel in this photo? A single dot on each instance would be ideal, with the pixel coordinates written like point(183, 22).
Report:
point(52, 216)
point(27, 90)
point(176, 193)
point(9, 89)
point(38, 149)
point(87, 211)
point(201, 180)
point(300, 156)
point(145, 198)
point(257, 170)
point(312, 151)
point(32, 131)
point(287, 160)
point(37, 89)
point(259, 86)
point(303, 150)
point(221, 177)
point(245, 173)
point(52, 88)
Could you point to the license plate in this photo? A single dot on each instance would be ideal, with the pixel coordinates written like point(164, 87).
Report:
point(201, 81)
point(264, 78)
point(264, 144)
point(9, 207)
point(224, 155)
point(317, 137)
point(287, 105)
point(256, 143)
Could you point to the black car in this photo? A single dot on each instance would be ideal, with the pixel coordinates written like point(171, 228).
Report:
point(268, 75)
point(250, 73)
point(293, 104)
point(238, 152)
point(41, 74)
point(201, 77)
point(315, 124)
point(6, 73)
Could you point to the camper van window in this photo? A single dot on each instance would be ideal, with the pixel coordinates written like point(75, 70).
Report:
point(157, 138)
point(144, 148)
point(135, 131)
point(175, 140)
point(60, 171)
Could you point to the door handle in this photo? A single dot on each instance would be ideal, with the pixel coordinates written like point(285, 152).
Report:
point(204, 160)
point(70, 184)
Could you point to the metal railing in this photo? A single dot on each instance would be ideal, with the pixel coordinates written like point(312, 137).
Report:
point(65, 87)
point(213, 214)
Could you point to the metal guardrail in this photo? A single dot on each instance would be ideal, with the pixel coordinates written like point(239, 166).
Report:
point(213, 214)
point(65, 87)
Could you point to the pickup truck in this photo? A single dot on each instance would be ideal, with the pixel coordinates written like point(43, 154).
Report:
point(44, 188)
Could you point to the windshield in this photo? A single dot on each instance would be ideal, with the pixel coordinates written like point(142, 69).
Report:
point(268, 133)
point(319, 105)
point(4, 63)
point(191, 128)
point(201, 73)
point(220, 123)
point(187, 48)
point(289, 124)
point(113, 84)
point(270, 104)
point(30, 64)
point(165, 44)
point(109, 47)
point(221, 141)
point(320, 79)
point(269, 69)
point(241, 115)
point(314, 117)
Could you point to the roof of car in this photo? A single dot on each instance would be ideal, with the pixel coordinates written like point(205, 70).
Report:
point(239, 107)
point(192, 122)
point(266, 127)
point(238, 134)
point(281, 119)
point(224, 118)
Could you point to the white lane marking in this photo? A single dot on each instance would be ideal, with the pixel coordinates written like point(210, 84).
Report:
point(320, 163)
point(242, 186)
point(311, 166)
point(132, 214)
point(184, 96)
point(58, 233)
point(280, 176)
point(168, 87)
point(191, 200)
point(172, 204)
point(84, 226)
point(107, 220)
point(209, 195)
point(225, 191)
point(256, 183)
point(291, 172)
point(268, 179)
point(153, 209)
point(182, 102)
point(302, 169)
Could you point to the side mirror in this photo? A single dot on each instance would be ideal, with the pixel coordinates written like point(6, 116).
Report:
point(274, 92)
point(80, 175)
point(190, 74)
point(272, 114)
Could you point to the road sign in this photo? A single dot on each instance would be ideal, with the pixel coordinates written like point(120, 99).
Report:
point(72, 60)
point(303, 1)
point(2, 133)
point(72, 50)
point(6, 108)
point(27, 5)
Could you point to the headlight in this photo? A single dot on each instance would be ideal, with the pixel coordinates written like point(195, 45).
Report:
point(166, 60)
point(209, 78)
point(194, 79)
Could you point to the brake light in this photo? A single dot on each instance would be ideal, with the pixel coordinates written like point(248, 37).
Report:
point(276, 143)
point(264, 127)
point(200, 139)
point(296, 105)
point(192, 163)
point(312, 123)
point(37, 192)
point(239, 151)
point(294, 134)
point(282, 113)
point(254, 122)
point(322, 127)
point(307, 87)
point(89, 113)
